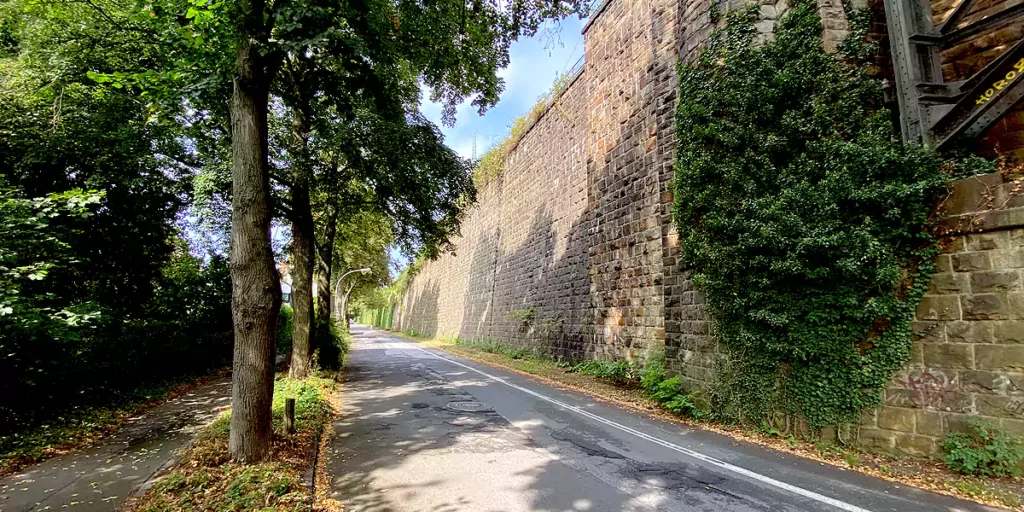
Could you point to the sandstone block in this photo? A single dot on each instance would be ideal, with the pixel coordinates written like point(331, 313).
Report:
point(993, 281)
point(949, 355)
point(1009, 258)
point(939, 307)
point(1016, 305)
point(1000, 406)
point(929, 423)
point(988, 241)
point(971, 261)
point(990, 382)
point(948, 283)
point(977, 331)
point(895, 418)
point(877, 438)
point(915, 445)
point(999, 357)
point(1008, 331)
point(985, 306)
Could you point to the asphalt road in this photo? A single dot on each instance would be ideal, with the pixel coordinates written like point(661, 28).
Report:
point(423, 430)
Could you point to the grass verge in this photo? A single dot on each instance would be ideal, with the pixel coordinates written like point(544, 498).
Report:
point(608, 384)
point(204, 478)
point(81, 427)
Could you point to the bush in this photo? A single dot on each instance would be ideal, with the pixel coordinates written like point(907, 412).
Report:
point(330, 345)
point(182, 329)
point(983, 449)
point(284, 329)
point(619, 372)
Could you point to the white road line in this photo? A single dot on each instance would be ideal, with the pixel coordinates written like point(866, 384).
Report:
point(842, 505)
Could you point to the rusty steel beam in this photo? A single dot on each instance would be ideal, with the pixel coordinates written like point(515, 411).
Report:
point(984, 99)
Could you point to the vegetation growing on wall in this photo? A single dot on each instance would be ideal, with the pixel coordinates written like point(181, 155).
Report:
point(803, 218)
point(492, 163)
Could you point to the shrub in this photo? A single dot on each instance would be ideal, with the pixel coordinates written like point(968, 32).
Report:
point(619, 372)
point(330, 344)
point(284, 329)
point(983, 449)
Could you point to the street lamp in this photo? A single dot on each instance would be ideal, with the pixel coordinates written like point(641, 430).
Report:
point(338, 284)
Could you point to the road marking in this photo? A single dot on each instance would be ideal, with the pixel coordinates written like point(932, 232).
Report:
point(842, 505)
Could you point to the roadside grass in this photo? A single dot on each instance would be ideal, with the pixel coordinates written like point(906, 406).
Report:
point(82, 426)
point(206, 479)
point(622, 383)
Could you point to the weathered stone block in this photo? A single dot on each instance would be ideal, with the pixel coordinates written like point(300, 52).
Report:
point(992, 281)
point(939, 307)
point(1016, 304)
point(929, 423)
point(971, 261)
point(949, 355)
point(1012, 427)
point(990, 382)
point(884, 440)
point(988, 241)
point(868, 418)
point(976, 331)
point(934, 399)
point(943, 263)
point(948, 283)
point(929, 332)
point(985, 306)
point(915, 445)
point(1000, 406)
point(895, 418)
point(999, 357)
point(1008, 331)
point(1009, 258)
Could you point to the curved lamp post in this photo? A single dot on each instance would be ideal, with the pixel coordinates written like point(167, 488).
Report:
point(342, 278)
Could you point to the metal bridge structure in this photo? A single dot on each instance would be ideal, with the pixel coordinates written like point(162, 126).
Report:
point(941, 114)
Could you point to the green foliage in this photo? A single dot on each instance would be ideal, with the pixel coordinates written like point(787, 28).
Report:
point(493, 347)
point(803, 218)
point(619, 372)
point(285, 321)
point(101, 298)
point(651, 377)
point(492, 163)
point(330, 343)
point(983, 449)
point(523, 316)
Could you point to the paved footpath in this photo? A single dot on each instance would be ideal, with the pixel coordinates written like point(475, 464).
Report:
point(423, 430)
point(101, 478)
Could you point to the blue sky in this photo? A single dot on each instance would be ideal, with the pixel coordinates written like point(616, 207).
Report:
point(535, 62)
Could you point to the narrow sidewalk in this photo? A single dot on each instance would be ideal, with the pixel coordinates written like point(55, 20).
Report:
point(100, 478)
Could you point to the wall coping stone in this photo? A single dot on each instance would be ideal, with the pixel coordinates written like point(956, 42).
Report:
point(982, 203)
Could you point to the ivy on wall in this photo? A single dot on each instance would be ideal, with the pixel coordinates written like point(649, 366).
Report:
point(803, 218)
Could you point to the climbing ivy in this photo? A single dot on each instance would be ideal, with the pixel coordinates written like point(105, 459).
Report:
point(802, 217)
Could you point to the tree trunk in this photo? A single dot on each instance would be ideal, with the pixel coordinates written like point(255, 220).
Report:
point(324, 260)
point(255, 290)
point(303, 249)
point(325, 257)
